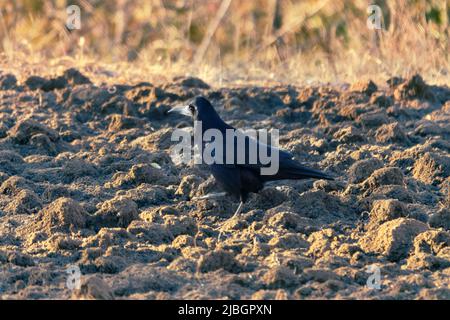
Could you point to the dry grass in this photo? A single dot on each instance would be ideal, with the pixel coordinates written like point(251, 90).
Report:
point(230, 41)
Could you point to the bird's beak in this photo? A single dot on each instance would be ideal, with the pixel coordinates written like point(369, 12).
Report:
point(184, 110)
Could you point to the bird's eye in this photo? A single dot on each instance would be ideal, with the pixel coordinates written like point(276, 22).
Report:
point(191, 108)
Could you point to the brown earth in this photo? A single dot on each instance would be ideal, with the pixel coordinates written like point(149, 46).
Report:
point(86, 179)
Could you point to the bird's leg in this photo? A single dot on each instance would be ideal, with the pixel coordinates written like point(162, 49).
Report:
point(256, 241)
point(236, 213)
point(211, 196)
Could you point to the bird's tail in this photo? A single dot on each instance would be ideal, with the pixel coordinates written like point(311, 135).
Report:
point(293, 170)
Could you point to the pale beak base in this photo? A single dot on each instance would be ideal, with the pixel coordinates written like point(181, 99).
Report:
point(184, 110)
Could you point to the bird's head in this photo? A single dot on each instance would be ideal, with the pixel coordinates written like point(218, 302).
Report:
point(200, 109)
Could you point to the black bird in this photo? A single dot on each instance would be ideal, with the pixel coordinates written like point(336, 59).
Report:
point(238, 179)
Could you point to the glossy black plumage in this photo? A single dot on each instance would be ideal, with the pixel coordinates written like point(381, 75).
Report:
point(240, 180)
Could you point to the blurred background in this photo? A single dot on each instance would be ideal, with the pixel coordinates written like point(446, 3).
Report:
point(233, 40)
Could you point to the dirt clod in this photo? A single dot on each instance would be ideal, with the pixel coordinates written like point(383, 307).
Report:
point(280, 277)
point(386, 210)
point(117, 212)
point(62, 215)
point(368, 87)
point(218, 259)
point(391, 133)
point(94, 288)
point(361, 170)
point(432, 168)
point(440, 219)
point(23, 131)
point(385, 176)
point(393, 238)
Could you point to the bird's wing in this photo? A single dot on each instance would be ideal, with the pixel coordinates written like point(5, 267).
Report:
point(228, 176)
point(253, 155)
point(288, 167)
point(254, 149)
point(249, 152)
